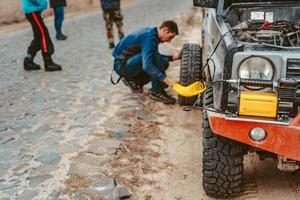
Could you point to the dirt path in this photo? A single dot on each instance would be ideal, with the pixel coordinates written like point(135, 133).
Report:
point(163, 161)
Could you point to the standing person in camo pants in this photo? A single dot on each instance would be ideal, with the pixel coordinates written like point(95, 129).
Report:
point(41, 38)
point(112, 14)
point(59, 14)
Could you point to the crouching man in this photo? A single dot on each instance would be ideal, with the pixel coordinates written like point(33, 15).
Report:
point(138, 61)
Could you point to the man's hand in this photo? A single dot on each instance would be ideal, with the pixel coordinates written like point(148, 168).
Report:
point(177, 55)
point(169, 81)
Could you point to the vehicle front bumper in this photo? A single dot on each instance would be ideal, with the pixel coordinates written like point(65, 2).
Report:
point(282, 138)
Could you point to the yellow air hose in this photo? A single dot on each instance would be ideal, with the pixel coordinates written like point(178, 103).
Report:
point(190, 90)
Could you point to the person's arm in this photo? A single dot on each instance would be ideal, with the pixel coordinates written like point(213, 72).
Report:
point(149, 47)
point(42, 4)
point(168, 57)
point(169, 81)
point(175, 56)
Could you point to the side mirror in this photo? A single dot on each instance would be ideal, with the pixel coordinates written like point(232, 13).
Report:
point(206, 3)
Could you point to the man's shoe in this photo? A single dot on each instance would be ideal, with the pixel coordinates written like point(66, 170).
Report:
point(111, 45)
point(134, 87)
point(162, 97)
point(29, 65)
point(52, 67)
point(61, 37)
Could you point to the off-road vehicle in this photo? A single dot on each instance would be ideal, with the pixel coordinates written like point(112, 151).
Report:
point(250, 61)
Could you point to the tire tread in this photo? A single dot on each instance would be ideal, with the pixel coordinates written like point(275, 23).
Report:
point(222, 160)
point(190, 70)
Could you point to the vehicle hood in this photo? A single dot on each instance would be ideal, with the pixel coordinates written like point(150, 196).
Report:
point(228, 2)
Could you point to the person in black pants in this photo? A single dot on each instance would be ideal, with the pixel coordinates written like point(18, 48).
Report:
point(41, 38)
point(59, 13)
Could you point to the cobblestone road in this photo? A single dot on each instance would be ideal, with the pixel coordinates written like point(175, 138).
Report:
point(48, 118)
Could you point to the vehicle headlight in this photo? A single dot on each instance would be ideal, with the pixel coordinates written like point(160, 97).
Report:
point(256, 67)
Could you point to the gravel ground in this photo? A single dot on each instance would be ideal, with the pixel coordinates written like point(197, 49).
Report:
point(48, 119)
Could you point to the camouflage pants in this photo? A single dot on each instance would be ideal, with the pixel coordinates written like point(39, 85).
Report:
point(110, 17)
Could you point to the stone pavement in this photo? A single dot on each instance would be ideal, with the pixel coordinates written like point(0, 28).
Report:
point(49, 122)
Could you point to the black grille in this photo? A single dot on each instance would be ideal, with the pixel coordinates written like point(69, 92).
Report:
point(293, 68)
point(284, 93)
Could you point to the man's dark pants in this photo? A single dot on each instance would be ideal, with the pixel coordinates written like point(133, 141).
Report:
point(134, 70)
point(41, 39)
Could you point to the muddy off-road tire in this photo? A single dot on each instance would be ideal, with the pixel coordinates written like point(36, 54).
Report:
point(190, 70)
point(222, 159)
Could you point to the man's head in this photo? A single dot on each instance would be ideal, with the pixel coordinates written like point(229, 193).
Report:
point(167, 31)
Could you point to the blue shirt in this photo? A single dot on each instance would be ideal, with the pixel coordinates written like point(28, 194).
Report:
point(30, 6)
point(147, 39)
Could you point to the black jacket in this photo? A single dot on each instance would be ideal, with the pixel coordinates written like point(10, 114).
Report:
point(110, 4)
point(54, 3)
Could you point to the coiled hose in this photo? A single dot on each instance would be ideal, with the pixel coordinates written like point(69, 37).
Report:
point(190, 90)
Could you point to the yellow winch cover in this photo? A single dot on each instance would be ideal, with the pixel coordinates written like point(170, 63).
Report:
point(258, 104)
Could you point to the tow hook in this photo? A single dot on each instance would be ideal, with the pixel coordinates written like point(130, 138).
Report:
point(287, 165)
